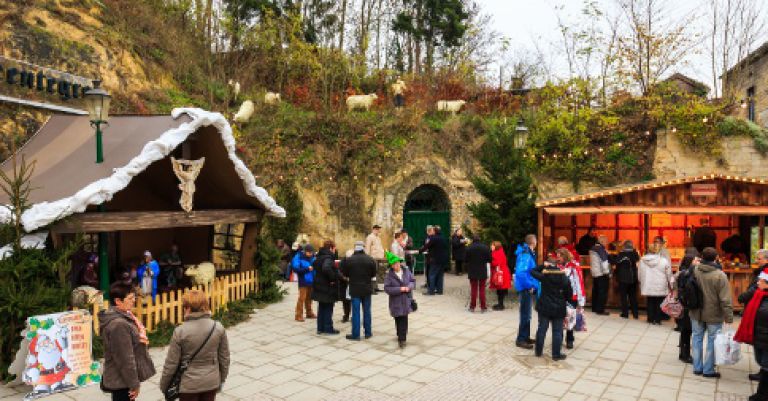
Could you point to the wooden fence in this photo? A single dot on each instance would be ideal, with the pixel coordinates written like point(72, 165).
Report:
point(167, 305)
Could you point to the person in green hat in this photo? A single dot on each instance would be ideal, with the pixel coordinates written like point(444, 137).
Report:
point(398, 284)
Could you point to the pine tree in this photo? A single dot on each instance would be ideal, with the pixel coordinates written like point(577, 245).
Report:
point(507, 213)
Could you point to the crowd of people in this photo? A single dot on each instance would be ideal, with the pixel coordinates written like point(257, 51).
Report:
point(197, 362)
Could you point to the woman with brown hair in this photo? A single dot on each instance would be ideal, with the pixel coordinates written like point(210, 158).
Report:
point(200, 343)
point(501, 278)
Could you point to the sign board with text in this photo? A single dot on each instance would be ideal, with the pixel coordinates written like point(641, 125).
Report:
point(708, 189)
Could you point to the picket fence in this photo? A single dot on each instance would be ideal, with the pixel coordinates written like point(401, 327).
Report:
point(167, 305)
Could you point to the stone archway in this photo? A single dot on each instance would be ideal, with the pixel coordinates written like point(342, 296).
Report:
point(427, 198)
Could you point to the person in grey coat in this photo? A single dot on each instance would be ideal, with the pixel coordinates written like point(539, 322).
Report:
point(208, 370)
point(398, 283)
point(126, 359)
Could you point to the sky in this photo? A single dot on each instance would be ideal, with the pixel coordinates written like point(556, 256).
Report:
point(533, 23)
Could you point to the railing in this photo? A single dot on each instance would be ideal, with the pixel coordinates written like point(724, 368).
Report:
point(167, 305)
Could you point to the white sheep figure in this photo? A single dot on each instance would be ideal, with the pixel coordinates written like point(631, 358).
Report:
point(245, 112)
point(452, 106)
point(271, 98)
point(202, 273)
point(361, 101)
point(235, 87)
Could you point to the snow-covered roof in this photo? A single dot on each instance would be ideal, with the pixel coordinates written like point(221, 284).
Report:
point(60, 156)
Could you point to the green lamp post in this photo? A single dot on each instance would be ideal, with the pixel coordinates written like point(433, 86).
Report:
point(97, 102)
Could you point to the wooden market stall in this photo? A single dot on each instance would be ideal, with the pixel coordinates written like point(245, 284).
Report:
point(725, 206)
point(164, 180)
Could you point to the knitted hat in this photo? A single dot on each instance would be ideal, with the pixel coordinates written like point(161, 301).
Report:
point(763, 274)
point(359, 246)
point(392, 258)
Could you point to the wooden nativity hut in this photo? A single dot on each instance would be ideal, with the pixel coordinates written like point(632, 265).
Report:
point(154, 168)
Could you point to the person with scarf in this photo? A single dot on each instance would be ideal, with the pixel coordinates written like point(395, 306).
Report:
point(126, 358)
point(754, 330)
point(572, 271)
point(600, 267)
point(761, 259)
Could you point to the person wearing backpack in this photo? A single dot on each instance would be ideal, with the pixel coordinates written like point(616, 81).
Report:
point(690, 259)
point(202, 343)
point(710, 312)
point(626, 275)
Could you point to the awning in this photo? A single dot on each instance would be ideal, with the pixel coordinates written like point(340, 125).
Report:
point(711, 210)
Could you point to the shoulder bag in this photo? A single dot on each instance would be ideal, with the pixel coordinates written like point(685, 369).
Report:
point(174, 388)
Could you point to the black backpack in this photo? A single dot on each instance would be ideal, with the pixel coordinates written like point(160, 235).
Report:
point(690, 294)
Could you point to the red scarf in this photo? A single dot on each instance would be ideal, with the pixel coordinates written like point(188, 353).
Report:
point(746, 332)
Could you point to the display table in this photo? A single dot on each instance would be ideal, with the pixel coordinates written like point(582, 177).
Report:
point(740, 277)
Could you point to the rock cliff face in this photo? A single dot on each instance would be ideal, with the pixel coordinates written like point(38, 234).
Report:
point(346, 213)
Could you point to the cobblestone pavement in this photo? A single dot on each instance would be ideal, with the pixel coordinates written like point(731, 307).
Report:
point(451, 355)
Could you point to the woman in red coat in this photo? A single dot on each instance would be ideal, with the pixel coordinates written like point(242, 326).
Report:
point(501, 279)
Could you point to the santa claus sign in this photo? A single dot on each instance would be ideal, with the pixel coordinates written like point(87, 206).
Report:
point(59, 353)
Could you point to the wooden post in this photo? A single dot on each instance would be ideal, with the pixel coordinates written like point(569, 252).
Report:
point(646, 220)
point(761, 234)
point(540, 235)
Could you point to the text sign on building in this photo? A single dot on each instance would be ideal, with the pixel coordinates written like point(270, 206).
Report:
point(709, 189)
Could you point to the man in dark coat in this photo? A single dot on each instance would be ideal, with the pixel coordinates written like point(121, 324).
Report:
point(458, 250)
point(326, 287)
point(704, 236)
point(360, 269)
point(555, 292)
point(478, 257)
point(437, 247)
point(586, 242)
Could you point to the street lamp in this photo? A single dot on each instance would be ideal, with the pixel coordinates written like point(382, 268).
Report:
point(97, 101)
point(521, 134)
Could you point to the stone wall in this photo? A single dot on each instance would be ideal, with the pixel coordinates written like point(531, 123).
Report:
point(345, 214)
point(752, 74)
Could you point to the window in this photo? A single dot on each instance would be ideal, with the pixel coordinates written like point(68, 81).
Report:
point(91, 242)
point(227, 242)
point(751, 103)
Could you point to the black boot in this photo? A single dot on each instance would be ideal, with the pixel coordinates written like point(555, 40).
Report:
point(685, 353)
point(762, 389)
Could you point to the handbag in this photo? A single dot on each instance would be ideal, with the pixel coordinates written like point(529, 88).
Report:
point(498, 278)
point(672, 306)
point(174, 388)
point(414, 305)
point(581, 323)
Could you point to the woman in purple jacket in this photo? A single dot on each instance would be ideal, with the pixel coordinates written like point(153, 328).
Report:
point(398, 284)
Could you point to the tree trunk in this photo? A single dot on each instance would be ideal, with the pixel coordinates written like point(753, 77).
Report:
point(342, 24)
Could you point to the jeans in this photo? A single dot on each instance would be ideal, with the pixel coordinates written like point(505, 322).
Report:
point(557, 334)
point(435, 275)
point(477, 287)
point(205, 396)
point(325, 317)
point(707, 365)
point(600, 293)
point(526, 303)
point(401, 325)
point(459, 266)
point(761, 356)
point(653, 305)
point(121, 395)
point(366, 303)
point(628, 297)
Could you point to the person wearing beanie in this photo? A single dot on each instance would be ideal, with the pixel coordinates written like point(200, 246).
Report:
point(360, 270)
point(754, 330)
point(398, 284)
point(302, 266)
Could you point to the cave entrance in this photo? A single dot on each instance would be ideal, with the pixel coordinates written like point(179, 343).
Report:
point(426, 205)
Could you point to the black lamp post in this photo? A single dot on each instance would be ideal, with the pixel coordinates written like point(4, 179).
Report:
point(97, 101)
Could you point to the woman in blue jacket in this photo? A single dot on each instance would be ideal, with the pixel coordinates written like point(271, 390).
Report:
point(526, 286)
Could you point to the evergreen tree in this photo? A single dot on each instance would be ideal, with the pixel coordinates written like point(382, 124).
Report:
point(286, 228)
point(507, 213)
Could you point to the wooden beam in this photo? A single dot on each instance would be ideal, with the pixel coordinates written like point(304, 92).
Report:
point(540, 231)
point(92, 222)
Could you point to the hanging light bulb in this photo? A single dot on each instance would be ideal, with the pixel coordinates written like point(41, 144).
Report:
point(647, 133)
point(704, 120)
point(619, 144)
point(600, 150)
point(674, 130)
